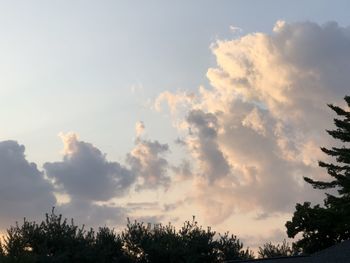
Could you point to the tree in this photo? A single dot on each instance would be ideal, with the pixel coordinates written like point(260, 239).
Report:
point(323, 226)
point(230, 248)
point(108, 247)
point(53, 240)
point(152, 243)
point(56, 240)
point(269, 250)
point(192, 243)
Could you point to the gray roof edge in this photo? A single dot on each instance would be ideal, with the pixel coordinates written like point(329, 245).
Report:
point(265, 259)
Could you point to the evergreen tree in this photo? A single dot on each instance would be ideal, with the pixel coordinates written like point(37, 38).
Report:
point(323, 226)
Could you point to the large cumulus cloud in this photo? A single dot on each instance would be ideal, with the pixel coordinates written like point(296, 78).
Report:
point(24, 192)
point(257, 131)
point(86, 174)
point(94, 183)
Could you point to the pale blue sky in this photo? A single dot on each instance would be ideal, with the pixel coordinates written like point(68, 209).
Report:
point(70, 65)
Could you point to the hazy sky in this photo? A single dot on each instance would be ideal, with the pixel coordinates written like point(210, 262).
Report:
point(168, 109)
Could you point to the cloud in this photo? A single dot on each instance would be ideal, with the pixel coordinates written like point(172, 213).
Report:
point(86, 174)
point(236, 29)
point(92, 182)
point(148, 163)
point(139, 128)
point(203, 143)
point(257, 131)
point(142, 205)
point(183, 170)
point(24, 192)
point(94, 215)
point(275, 236)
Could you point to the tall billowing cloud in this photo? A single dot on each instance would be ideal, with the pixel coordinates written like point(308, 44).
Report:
point(257, 131)
point(147, 161)
point(24, 192)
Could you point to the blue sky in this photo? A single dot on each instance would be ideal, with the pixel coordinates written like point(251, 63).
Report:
point(96, 68)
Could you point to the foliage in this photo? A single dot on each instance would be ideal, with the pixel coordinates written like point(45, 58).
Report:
point(56, 240)
point(108, 247)
point(230, 248)
point(198, 244)
point(147, 243)
point(192, 243)
point(323, 226)
point(269, 250)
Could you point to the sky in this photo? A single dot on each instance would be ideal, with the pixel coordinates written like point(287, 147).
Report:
point(159, 111)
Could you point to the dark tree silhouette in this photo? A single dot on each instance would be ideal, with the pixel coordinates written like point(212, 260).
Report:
point(56, 240)
point(152, 243)
point(192, 243)
point(323, 226)
point(269, 250)
point(108, 247)
point(53, 240)
point(230, 248)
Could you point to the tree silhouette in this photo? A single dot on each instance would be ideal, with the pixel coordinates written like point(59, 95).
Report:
point(323, 226)
point(108, 247)
point(192, 243)
point(56, 240)
point(269, 250)
point(230, 248)
point(53, 240)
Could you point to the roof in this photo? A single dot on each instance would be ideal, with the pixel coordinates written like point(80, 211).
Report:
point(291, 259)
point(339, 253)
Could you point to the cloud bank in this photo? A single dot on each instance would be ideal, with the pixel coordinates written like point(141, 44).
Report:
point(90, 182)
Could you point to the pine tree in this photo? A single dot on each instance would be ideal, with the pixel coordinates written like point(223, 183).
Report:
point(323, 226)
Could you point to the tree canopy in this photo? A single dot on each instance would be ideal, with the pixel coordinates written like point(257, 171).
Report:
point(323, 226)
point(269, 250)
point(57, 240)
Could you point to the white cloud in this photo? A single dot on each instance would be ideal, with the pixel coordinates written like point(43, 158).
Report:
point(255, 133)
point(236, 29)
point(254, 121)
point(139, 128)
